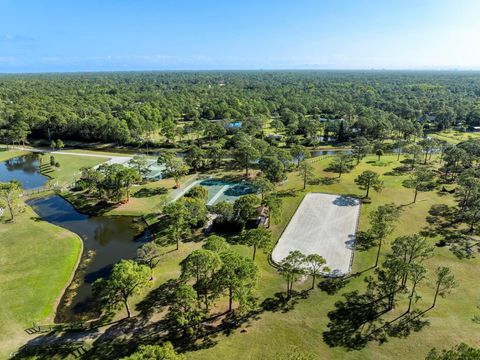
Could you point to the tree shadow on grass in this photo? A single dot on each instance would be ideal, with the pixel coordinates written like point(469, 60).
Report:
point(48, 352)
point(444, 220)
point(158, 298)
point(148, 192)
point(280, 302)
point(358, 320)
point(353, 322)
point(332, 285)
point(413, 321)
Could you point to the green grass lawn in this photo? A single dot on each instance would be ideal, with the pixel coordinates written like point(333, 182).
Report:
point(303, 326)
point(8, 154)
point(36, 262)
point(69, 166)
point(147, 199)
point(454, 136)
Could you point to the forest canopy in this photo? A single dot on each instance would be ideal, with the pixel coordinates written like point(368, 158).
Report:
point(127, 107)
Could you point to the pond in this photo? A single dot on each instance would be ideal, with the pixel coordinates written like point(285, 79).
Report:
point(26, 169)
point(106, 240)
point(317, 153)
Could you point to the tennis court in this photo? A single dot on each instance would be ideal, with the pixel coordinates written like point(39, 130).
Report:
point(323, 224)
point(218, 190)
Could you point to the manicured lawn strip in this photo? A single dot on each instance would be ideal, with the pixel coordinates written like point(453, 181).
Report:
point(8, 154)
point(69, 167)
point(36, 261)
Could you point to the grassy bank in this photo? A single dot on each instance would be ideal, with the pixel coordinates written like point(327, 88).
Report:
point(69, 166)
point(8, 154)
point(37, 260)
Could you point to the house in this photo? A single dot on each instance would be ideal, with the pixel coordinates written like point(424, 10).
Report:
point(263, 216)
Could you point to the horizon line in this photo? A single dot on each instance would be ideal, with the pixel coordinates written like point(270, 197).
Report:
point(242, 70)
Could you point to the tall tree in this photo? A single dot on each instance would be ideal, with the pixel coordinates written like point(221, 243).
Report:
point(341, 164)
point(10, 195)
point(275, 209)
point(411, 249)
point(259, 238)
point(166, 351)
point(306, 173)
point(245, 208)
point(299, 153)
point(185, 311)
point(360, 148)
point(388, 281)
point(263, 186)
point(415, 151)
point(201, 265)
point(315, 265)
point(382, 224)
point(245, 152)
point(292, 268)
point(140, 163)
point(369, 179)
point(126, 279)
point(420, 180)
point(177, 169)
point(149, 254)
point(177, 221)
point(428, 146)
point(417, 274)
point(216, 244)
point(445, 282)
point(238, 276)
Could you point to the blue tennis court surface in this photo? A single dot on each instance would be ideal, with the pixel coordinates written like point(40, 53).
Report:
point(218, 190)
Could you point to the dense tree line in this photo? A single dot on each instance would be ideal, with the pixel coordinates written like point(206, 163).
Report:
point(128, 107)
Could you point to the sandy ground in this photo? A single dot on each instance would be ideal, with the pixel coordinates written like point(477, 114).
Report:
point(323, 224)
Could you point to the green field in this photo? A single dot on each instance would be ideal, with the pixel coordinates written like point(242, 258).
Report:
point(8, 154)
point(36, 262)
point(303, 326)
point(69, 166)
point(454, 137)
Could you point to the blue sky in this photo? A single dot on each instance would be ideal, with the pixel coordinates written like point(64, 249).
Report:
point(85, 35)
